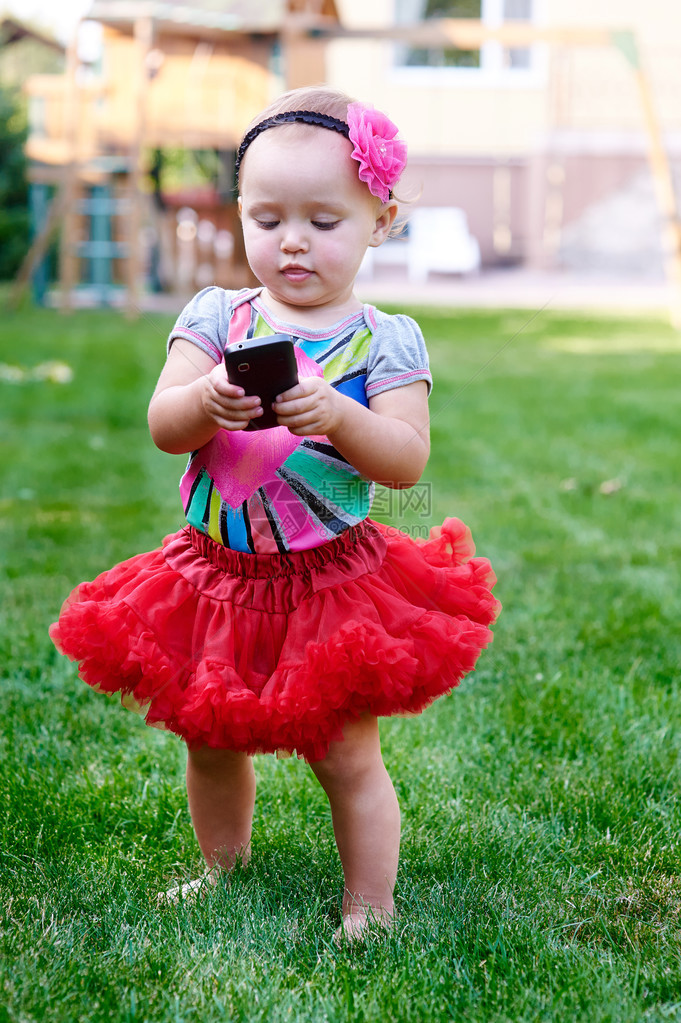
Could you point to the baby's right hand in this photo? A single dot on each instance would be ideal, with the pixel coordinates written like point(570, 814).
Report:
point(227, 404)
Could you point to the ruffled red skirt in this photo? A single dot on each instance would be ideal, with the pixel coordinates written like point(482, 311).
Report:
point(262, 653)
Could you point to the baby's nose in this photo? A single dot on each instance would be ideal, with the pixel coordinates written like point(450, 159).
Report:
point(294, 239)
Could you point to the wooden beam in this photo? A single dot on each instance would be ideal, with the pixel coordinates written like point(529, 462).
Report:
point(68, 269)
point(663, 180)
point(468, 34)
point(38, 248)
point(144, 36)
point(304, 60)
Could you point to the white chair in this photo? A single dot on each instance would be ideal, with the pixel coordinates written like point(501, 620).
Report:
point(440, 242)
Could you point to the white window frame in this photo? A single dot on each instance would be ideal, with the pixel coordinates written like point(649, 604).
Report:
point(492, 70)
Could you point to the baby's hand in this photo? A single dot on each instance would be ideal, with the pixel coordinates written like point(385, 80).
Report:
point(311, 407)
point(226, 404)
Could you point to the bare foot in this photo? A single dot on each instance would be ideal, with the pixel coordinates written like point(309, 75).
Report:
point(361, 924)
point(190, 891)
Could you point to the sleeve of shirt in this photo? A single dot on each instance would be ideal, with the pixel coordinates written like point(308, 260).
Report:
point(204, 321)
point(397, 355)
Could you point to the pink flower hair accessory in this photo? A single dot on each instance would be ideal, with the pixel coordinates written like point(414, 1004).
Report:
point(381, 156)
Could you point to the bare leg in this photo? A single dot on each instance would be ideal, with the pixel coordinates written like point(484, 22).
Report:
point(366, 822)
point(221, 792)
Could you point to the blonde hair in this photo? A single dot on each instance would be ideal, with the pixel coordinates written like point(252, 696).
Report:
point(318, 98)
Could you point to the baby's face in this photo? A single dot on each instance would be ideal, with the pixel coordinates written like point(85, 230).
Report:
point(307, 218)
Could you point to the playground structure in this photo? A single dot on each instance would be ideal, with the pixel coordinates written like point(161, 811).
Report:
point(198, 85)
point(164, 82)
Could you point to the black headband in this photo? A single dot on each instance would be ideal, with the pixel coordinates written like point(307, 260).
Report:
point(289, 116)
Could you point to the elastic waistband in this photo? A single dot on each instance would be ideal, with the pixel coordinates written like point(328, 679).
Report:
point(362, 538)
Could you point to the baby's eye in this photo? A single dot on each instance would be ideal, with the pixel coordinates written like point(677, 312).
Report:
point(267, 225)
point(325, 225)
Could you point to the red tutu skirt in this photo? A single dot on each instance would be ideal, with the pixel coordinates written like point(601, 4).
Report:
point(264, 653)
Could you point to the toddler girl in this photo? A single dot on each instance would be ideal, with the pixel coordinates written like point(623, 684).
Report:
point(281, 618)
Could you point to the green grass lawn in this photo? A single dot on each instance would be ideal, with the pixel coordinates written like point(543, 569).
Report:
point(540, 871)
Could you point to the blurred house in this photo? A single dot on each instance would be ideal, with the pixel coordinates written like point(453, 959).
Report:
point(525, 116)
point(25, 50)
point(543, 146)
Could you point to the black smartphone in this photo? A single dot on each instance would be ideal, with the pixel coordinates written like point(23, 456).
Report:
point(265, 366)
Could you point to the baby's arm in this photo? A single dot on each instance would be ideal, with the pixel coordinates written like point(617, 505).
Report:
point(194, 399)
point(388, 442)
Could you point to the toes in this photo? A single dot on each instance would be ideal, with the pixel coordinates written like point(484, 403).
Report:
point(359, 926)
point(188, 892)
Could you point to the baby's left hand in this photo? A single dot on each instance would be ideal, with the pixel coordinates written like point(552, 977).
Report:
point(311, 407)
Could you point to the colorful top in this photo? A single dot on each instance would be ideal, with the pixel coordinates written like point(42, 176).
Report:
point(270, 492)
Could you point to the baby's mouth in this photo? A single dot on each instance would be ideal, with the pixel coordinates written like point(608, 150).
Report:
point(293, 272)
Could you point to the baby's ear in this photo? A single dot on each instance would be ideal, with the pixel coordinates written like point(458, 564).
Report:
point(240, 205)
point(384, 222)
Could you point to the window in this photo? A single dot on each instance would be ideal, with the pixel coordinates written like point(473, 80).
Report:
point(37, 120)
point(412, 11)
point(517, 57)
point(490, 58)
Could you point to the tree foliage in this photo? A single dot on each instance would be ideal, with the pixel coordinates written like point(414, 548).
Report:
point(14, 209)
